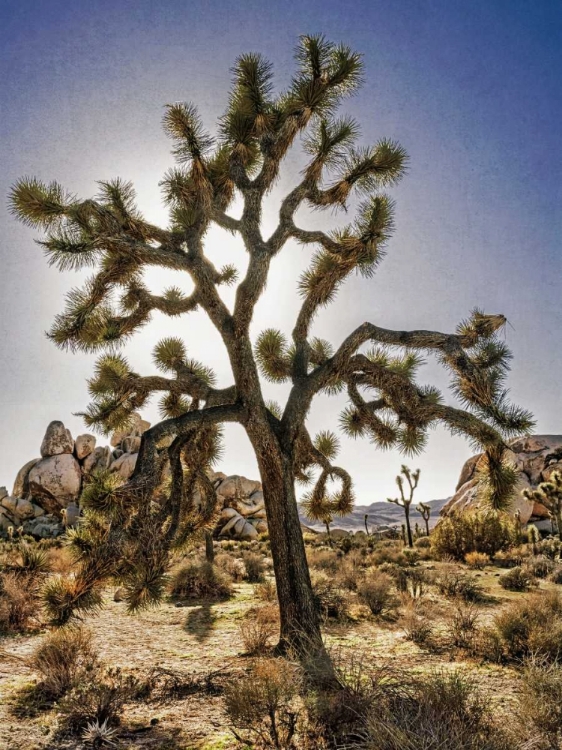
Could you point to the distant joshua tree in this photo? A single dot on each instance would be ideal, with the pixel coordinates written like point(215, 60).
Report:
point(144, 520)
point(425, 510)
point(405, 500)
point(550, 495)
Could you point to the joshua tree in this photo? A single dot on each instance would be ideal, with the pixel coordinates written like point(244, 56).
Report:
point(151, 515)
point(425, 510)
point(405, 500)
point(550, 495)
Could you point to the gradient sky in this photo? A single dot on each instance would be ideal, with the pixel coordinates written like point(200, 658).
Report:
point(471, 89)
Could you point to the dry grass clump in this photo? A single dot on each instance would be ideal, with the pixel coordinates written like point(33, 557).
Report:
point(326, 560)
point(254, 566)
point(266, 591)
point(417, 625)
point(389, 551)
point(556, 575)
point(434, 711)
point(541, 703)
point(259, 627)
point(231, 565)
point(199, 580)
point(263, 705)
point(477, 560)
point(532, 625)
point(464, 626)
point(19, 602)
point(63, 659)
point(331, 601)
point(517, 579)
point(375, 591)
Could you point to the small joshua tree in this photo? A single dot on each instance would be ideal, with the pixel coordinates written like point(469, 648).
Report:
point(405, 499)
point(425, 510)
point(132, 529)
point(550, 495)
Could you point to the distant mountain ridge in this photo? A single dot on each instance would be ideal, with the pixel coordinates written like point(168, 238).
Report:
point(380, 514)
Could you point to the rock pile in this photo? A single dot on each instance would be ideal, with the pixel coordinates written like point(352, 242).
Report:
point(535, 458)
point(46, 493)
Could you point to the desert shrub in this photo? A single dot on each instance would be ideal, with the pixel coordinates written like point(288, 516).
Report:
point(60, 560)
point(254, 567)
point(32, 560)
point(231, 565)
point(539, 566)
point(375, 590)
point(64, 658)
point(412, 556)
point(266, 591)
point(457, 584)
point(19, 602)
point(262, 705)
point(556, 575)
point(417, 625)
point(516, 579)
point(329, 598)
point(550, 547)
point(423, 542)
point(488, 643)
point(388, 551)
point(458, 534)
point(511, 558)
point(464, 626)
point(477, 560)
point(541, 699)
point(325, 560)
point(349, 575)
point(532, 625)
point(198, 580)
point(98, 700)
point(435, 711)
point(257, 630)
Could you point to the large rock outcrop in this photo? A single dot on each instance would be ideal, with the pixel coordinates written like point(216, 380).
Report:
point(535, 458)
point(46, 493)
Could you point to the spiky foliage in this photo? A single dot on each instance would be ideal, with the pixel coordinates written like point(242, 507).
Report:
point(411, 478)
point(149, 515)
point(549, 494)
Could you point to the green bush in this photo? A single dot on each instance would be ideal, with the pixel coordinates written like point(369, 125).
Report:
point(199, 580)
point(516, 579)
point(461, 533)
point(456, 584)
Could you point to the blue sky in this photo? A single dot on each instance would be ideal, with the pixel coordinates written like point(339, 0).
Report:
point(470, 89)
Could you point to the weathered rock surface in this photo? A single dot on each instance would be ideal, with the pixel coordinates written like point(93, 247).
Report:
point(55, 481)
point(84, 445)
point(137, 427)
point(57, 440)
point(21, 484)
point(124, 465)
point(100, 458)
point(534, 457)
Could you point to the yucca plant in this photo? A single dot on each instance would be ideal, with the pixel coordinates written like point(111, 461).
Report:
point(150, 517)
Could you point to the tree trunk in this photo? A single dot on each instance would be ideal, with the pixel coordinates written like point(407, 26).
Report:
point(300, 620)
point(209, 549)
point(426, 527)
point(408, 527)
point(327, 525)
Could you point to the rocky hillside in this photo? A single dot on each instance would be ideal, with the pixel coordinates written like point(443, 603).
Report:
point(380, 514)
